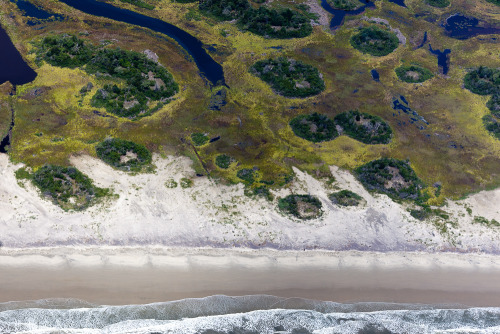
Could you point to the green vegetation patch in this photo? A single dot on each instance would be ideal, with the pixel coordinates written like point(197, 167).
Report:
point(375, 41)
point(494, 104)
point(224, 10)
point(223, 161)
point(492, 124)
point(344, 4)
point(483, 81)
point(496, 2)
point(314, 127)
point(289, 77)
point(438, 3)
point(123, 154)
point(484, 221)
point(366, 128)
point(345, 198)
point(139, 3)
point(301, 206)
point(392, 177)
point(141, 81)
point(199, 139)
point(247, 174)
point(67, 187)
point(413, 74)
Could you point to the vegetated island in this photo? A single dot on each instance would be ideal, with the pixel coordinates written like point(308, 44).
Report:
point(413, 74)
point(347, 5)
point(440, 3)
point(375, 41)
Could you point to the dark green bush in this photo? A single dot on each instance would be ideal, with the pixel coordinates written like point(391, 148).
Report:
point(496, 2)
point(494, 104)
point(289, 77)
point(123, 154)
point(314, 127)
point(23, 174)
point(375, 41)
point(392, 177)
point(301, 206)
point(199, 139)
point(438, 3)
point(224, 10)
point(345, 198)
point(413, 74)
point(223, 161)
point(344, 4)
point(483, 81)
point(145, 80)
point(246, 174)
point(366, 128)
point(492, 124)
point(67, 187)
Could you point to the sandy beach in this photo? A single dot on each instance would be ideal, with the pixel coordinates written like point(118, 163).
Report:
point(117, 276)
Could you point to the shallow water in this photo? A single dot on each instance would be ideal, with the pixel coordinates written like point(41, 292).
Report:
point(39, 14)
point(339, 15)
point(247, 314)
point(463, 27)
point(443, 58)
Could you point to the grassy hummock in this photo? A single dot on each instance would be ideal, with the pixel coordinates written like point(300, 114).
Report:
point(345, 198)
point(366, 128)
point(483, 81)
point(413, 74)
point(247, 174)
point(438, 3)
point(314, 127)
point(199, 139)
point(140, 4)
point(392, 177)
point(67, 187)
point(223, 161)
point(301, 206)
point(289, 77)
point(123, 154)
point(375, 41)
point(344, 4)
point(132, 81)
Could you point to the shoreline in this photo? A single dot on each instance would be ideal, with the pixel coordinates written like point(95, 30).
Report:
point(140, 275)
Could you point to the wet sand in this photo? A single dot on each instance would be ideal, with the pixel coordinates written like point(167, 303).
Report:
point(140, 276)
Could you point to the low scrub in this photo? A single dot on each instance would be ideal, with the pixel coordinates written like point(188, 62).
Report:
point(345, 198)
point(223, 161)
point(413, 74)
point(375, 41)
point(392, 177)
point(123, 154)
point(438, 3)
point(246, 174)
point(314, 127)
point(492, 124)
point(199, 139)
point(289, 77)
point(344, 4)
point(301, 206)
point(366, 128)
point(483, 81)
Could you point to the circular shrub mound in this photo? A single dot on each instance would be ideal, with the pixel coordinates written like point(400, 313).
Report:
point(390, 176)
point(496, 2)
point(413, 74)
point(344, 4)
point(301, 206)
point(314, 127)
point(492, 124)
point(375, 41)
point(494, 104)
point(289, 77)
point(438, 3)
point(67, 187)
point(223, 161)
point(199, 139)
point(246, 174)
point(345, 198)
point(123, 154)
point(483, 81)
point(366, 128)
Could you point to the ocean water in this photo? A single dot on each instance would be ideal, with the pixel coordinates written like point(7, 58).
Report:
point(244, 315)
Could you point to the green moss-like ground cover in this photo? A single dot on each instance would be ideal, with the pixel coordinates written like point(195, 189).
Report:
point(67, 187)
point(303, 207)
point(438, 3)
point(375, 41)
point(199, 139)
point(123, 154)
point(413, 74)
point(139, 3)
point(314, 127)
point(366, 128)
point(345, 198)
point(392, 177)
point(223, 161)
point(289, 77)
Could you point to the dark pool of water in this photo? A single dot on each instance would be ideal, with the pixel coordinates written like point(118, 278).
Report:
point(423, 41)
point(398, 2)
point(443, 58)
point(375, 75)
point(38, 14)
point(400, 104)
point(13, 68)
point(207, 66)
point(339, 15)
point(463, 27)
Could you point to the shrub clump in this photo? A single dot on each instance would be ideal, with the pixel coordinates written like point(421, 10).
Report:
point(483, 81)
point(413, 74)
point(289, 77)
point(67, 187)
point(223, 161)
point(366, 128)
point(314, 127)
point(123, 154)
point(375, 41)
point(494, 104)
point(438, 3)
point(246, 174)
point(392, 177)
point(344, 4)
point(139, 3)
point(496, 2)
point(301, 206)
point(345, 198)
point(492, 124)
point(199, 139)
point(141, 80)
